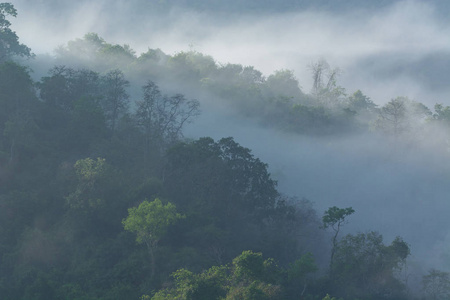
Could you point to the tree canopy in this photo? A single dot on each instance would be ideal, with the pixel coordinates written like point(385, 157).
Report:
point(10, 46)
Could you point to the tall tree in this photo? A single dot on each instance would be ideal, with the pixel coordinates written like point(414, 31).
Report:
point(335, 218)
point(162, 118)
point(9, 41)
point(64, 86)
point(325, 88)
point(150, 221)
point(365, 268)
point(401, 116)
point(18, 102)
point(392, 118)
point(116, 98)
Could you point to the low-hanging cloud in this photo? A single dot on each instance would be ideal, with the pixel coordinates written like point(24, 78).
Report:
point(371, 48)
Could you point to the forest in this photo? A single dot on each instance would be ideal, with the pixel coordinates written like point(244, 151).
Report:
point(103, 197)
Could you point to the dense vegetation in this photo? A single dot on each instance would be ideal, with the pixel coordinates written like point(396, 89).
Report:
point(101, 197)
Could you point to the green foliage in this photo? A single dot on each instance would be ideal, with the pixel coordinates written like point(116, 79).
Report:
point(9, 41)
point(88, 194)
point(210, 284)
point(442, 113)
point(284, 83)
point(65, 86)
point(334, 217)
point(248, 266)
point(361, 103)
point(80, 251)
point(255, 291)
point(240, 178)
point(150, 220)
point(241, 281)
point(302, 267)
point(95, 49)
point(18, 112)
point(364, 267)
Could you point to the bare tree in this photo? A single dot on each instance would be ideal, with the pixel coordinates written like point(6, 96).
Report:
point(162, 118)
point(325, 88)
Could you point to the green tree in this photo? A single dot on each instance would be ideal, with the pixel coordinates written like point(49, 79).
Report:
point(208, 285)
point(335, 218)
point(360, 102)
point(64, 86)
point(150, 221)
point(18, 105)
point(254, 278)
point(362, 107)
point(442, 113)
point(94, 51)
point(9, 41)
point(227, 194)
point(89, 193)
point(249, 278)
point(364, 267)
point(299, 273)
point(284, 83)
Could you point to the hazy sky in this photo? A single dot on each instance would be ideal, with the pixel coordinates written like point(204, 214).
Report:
point(401, 50)
point(386, 53)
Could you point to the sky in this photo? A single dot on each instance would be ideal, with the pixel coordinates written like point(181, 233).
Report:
point(399, 50)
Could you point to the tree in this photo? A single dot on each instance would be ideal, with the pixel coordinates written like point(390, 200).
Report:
point(402, 115)
point(208, 285)
point(253, 278)
point(299, 271)
point(365, 268)
point(89, 193)
point(18, 104)
point(442, 113)
point(65, 86)
point(392, 117)
point(116, 98)
point(335, 218)
point(150, 221)
point(362, 105)
point(249, 278)
point(94, 51)
point(325, 88)
point(225, 191)
point(436, 285)
point(234, 183)
point(9, 41)
point(162, 118)
point(284, 83)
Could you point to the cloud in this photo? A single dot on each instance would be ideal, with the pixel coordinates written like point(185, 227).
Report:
point(373, 49)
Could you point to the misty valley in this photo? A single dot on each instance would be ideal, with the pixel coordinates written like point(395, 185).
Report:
point(151, 176)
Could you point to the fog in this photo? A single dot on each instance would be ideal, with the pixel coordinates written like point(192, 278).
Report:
point(399, 50)
point(402, 49)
